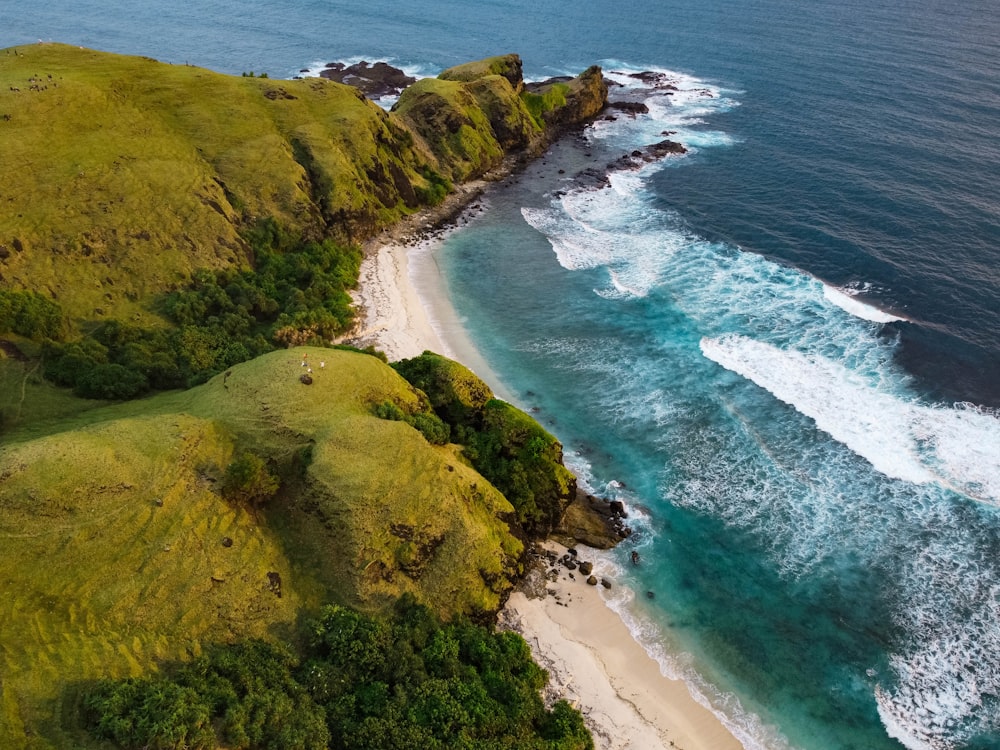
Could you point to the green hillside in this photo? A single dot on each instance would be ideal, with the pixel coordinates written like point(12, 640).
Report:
point(163, 225)
point(123, 175)
point(118, 548)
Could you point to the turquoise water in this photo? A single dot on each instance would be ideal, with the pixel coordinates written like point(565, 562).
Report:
point(781, 349)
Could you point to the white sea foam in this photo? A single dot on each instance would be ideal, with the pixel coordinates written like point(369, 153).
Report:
point(955, 447)
point(845, 300)
point(678, 104)
point(946, 686)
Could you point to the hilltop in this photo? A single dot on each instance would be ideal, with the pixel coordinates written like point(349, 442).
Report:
point(121, 547)
point(124, 175)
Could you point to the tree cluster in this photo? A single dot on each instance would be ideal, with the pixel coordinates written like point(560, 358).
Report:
point(295, 293)
point(361, 682)
point(503, 443)
point(31, 315)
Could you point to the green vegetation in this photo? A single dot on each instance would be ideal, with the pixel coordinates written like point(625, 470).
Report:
point(248, 480)
point(504, 444)
point(449, 119)
point(31, 315)
point(114, 526)
point(296, 294)
point(171, 227)
point(539, 104)
point(508, 66)
point(361, 683)
point(146, 173)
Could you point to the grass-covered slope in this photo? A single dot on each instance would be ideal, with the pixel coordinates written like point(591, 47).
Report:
point(118, 548)
point(123, 175)
point(473, 115)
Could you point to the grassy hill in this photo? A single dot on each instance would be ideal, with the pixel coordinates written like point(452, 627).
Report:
point(123, 175)
point(119, 550)
point(154, 217)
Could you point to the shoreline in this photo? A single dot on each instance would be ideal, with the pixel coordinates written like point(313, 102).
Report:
point(595, 663)
point(592, 658)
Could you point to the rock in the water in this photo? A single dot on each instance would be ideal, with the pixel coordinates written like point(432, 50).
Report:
point(606, 583)
point(586, 568)
point(632, 108)
point(592, 580)
point(374, 81)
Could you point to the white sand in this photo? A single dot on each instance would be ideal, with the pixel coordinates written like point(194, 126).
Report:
point(596, 665)
point(591, 656)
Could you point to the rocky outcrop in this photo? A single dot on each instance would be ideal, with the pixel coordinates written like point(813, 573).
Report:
point(508, 66)
point(592, 521)
point(582, 97)
point(474, 116)
point(374, 81)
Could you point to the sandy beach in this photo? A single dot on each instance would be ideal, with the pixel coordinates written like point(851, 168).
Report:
point(592, 659)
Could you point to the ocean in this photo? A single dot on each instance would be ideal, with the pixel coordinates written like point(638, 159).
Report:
point(780, 349)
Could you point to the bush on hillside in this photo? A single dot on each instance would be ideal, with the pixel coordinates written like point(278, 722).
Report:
point(429, 424)
point(248, 480)
point(296, 293)
point(31, 315)
point(503, 443)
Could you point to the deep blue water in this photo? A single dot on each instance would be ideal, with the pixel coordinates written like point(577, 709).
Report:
point(758, 345)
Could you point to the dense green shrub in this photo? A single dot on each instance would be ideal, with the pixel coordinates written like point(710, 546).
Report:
point(455, 392)
point(503, 443)
point(31, 315)
point(242, 696)
point(429, 424)
point(296, 293)
point(523, 461)
point(248, 480)
point(363, 683)
point(437, 187)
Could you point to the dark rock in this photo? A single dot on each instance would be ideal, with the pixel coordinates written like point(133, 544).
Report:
point(586, 568)
point(650, 595)
point(606, 583)
point(305, 379)
point(374, 81)
point(570, 565)
point(590, 520)
point(274, 583)
point(632, 108)
point(663, 148)
point(227, 542)
point(592, 580)
point(617, 508)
